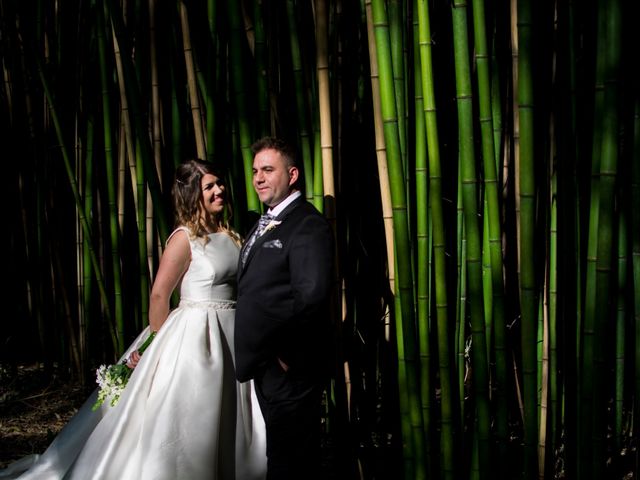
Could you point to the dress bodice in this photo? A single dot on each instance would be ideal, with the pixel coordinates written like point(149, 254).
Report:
point(211, 275)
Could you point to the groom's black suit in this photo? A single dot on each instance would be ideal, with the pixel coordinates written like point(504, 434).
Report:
point(282, 314)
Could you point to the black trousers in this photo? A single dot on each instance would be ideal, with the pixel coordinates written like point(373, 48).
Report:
point(291, 406)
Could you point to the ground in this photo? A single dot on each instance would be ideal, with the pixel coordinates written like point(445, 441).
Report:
point(34, 406)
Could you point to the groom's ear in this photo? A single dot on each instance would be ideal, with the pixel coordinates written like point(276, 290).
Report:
point(293, 175)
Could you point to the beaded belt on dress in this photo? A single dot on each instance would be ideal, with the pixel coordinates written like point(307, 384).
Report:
point(207, 304)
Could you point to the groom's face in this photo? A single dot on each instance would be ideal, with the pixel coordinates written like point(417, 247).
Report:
point(272, 177)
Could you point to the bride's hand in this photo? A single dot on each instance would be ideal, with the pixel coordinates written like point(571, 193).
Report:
point(133, 359)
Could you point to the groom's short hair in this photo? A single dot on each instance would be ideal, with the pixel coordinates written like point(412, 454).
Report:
point(279, 145)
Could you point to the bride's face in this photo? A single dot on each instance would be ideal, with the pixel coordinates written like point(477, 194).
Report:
point(212, 194)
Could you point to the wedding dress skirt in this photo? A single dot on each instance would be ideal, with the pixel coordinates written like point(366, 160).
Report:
point(182, 414)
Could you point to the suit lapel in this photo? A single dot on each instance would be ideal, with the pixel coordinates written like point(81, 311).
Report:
point(260, 240)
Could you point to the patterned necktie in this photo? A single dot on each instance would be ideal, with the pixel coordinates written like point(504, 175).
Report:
point(262, 224)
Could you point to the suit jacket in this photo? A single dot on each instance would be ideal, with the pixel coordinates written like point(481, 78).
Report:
point(283, 295)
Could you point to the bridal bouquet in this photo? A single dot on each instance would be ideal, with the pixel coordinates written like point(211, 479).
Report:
point(113, 378)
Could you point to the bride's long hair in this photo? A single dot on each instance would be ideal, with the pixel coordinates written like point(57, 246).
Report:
point(188, 204)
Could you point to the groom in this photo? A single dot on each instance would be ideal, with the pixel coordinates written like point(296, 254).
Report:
point(282, 315)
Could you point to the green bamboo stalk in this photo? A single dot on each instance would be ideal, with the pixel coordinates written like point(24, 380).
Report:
point(635, 253)
point(239, 99)
point(423, 272)
point(604, 262)
point(487, 287)
point(491, 138)
point(76, 195)
point(145, 267)
point(461, 304)
point(586, 349)
point(438, 238)
point(409, 449)
point(140, 128)
point(121, 176)
point(474, 242)
point(496, 106)
point(401, 230)
point(554, 394)
point(621, 331)
point(569, 267)
point(86, 297)
point(176, 119)
point(398, 51)
point(302, 110)
point(144, 221)
point(526, 182)
point(212, 70)
point(114, 229)
point(127, 134)
point(260, 56)
point(156, 141)
point(318, 181)
point(513, 141)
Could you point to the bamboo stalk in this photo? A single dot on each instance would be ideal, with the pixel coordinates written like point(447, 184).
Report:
point(587, 347)
point(526, 182)
point(142, 147)
point(76, 195)
point(238, 93)
point(635, 255)
point(212, 71)
point(324, 107)
point(302, 109)
point(381, 153)
point(404, 293)
point(491, 139)
point(423, 270)
point(111, 179)
point(194, 98)
point(472, 230)
point(260, 56)
point(437, 221)
point(156, 141)
point(606, 229)
point(620, 332)
point(127, 138)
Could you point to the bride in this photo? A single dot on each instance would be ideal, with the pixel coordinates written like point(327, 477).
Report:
point(182, 414)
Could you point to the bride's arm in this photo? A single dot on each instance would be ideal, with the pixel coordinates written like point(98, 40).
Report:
point(173, 264)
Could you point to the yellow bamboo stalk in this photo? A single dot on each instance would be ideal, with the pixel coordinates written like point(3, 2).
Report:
point(544, 394)
point(516, 123)
point(326, 146)
point(249, 29)
point(381, 152)
point(122, 172)
point(198, 130)
point(125, 118)
point(326, 141)
point(131, 157)
point(156, 145)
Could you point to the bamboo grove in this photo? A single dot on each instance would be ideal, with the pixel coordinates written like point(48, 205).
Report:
point(478, 160)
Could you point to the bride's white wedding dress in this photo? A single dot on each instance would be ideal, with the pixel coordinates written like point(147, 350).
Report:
point(182, 414)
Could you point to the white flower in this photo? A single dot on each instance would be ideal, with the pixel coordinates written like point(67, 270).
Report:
point(113, 378)
point(271, 225)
